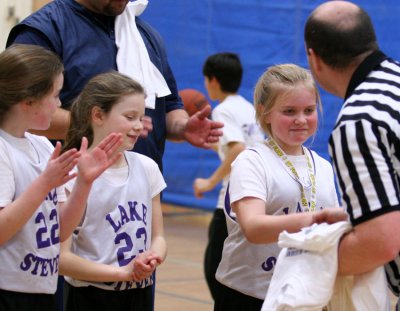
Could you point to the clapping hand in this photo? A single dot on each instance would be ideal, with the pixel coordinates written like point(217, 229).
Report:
point(92, 163)
point(57, 171)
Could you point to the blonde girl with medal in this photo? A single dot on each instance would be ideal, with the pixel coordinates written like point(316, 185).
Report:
point(277, 185)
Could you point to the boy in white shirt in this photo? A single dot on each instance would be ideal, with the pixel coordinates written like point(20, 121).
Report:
point(222, 77)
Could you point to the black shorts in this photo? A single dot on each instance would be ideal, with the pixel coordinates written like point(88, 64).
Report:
point(217, 233)
point(97, 299)
point(229, 299)
point(17, 301)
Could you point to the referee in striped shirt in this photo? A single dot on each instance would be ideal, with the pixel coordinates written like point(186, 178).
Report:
point(345, 60)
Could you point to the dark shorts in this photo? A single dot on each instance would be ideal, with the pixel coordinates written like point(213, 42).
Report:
point(16, 301)
point(232, 300)
point(217, 233)
point(96, 299)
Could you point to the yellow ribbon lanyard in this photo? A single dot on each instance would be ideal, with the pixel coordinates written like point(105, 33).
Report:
point(292, 172)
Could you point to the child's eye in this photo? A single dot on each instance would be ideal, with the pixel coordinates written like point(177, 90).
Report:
point(130, 118)
point(310, 110)
point(288, 111)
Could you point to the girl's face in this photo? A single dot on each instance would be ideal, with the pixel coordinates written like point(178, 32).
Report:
point(44, 108)
point(294, 119)
point(125, 117)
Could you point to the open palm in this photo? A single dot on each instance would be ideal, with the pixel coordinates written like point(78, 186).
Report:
point(92, 163)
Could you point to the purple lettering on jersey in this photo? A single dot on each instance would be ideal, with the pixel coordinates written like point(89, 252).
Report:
point(299, 208)
point(144, 214)
point(118, 286)
point(124, 216)
point(117, 226)
point(40, 266)
point(132, 210)
point(52, 196)
point(140, 284)
point(128, 285)
point(269, 264)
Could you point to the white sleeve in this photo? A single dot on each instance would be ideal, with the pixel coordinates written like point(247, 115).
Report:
point(231, 132)
point(248, 178)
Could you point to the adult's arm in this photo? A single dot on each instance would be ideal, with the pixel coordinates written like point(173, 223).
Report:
point(370, 244)
point(370, 193)
point(198, 130)
point(58, 126)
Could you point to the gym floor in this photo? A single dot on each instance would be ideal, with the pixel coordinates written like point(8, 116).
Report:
point(180, 283)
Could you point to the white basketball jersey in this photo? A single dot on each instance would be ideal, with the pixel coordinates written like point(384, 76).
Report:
point(117, 223)
point(29, 260)
point(258, 172)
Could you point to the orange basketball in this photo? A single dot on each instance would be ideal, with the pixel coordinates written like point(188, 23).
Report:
point(193, 100)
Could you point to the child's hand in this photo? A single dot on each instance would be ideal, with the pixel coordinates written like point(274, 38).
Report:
point(144, 265)
point(92, 164)
point(201, 185)
point(127, 271)
point(329, 215)
point(58, 167)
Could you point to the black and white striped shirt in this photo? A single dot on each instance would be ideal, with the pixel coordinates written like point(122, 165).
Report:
point(365, 145)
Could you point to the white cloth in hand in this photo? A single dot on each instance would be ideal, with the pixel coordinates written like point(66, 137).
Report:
point(306, 269)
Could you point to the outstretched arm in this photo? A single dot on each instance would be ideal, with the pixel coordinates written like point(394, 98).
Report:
point(202, 185)
point(260, 228)
point(198, 130)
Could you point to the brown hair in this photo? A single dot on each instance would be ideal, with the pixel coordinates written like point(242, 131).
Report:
point(27, 72)
point(340, 43)
point(103, 91)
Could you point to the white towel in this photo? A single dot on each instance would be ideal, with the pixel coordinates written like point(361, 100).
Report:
point(305, 275)
point(306, 269)
point(132, 57)
point(363, 292)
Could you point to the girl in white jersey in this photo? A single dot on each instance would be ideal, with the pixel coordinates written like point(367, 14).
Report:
point(108, 262)
point(271, 184)
point(34, 215)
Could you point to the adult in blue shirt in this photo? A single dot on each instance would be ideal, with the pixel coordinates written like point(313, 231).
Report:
point(82, 33)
